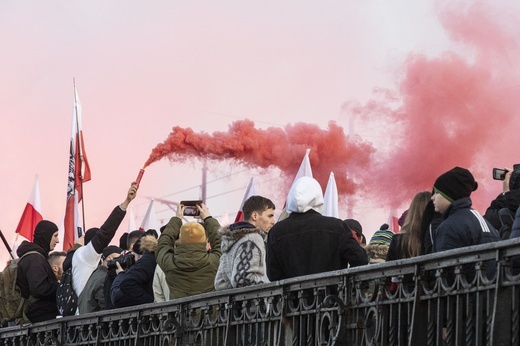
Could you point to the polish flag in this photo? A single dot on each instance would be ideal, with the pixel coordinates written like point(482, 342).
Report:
point(250, 191)
point(79, 172)
point(305, 170)
point(330, 205)
point(150, 220)
point(32, 213)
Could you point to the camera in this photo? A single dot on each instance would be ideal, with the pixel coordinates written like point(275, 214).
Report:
point(190, 207)
point(125, 261)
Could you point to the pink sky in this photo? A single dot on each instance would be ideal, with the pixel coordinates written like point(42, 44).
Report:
point(142, 68)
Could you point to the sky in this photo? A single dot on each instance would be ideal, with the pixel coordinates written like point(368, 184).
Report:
point(387, 95)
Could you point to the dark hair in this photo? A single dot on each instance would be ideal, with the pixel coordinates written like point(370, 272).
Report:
point(54, 255)
point(256, 203)
point(132, 238)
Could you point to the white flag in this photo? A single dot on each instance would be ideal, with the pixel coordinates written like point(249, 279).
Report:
point(330, 207)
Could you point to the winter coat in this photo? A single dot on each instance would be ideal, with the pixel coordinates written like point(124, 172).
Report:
point(515, 233)
point(307, 242)
point(87, 258)
point(243, 257)
point(510, 200)
point(461, 228)
point(189, 268)
point(161, 291)
point(93, 296)
point(135, 286)
point(36, 279)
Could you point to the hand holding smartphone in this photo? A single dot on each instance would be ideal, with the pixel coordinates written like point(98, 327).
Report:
point(190, 207)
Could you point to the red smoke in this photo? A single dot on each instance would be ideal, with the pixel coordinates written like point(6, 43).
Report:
point(455, 111)
point(331, 150)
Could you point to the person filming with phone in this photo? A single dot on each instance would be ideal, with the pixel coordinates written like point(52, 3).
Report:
point(181, 251)
point(502, 210)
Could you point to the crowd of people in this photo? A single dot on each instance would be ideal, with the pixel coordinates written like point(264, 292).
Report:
point(194, 257)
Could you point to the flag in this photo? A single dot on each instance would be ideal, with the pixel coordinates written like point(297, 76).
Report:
point(305, 170)
point(330, 206)
point(131, 219)
point(32, 213)
point(250, 191)
point(224, 219)
point(393, 220)
point(79, 172)
point(150, 220)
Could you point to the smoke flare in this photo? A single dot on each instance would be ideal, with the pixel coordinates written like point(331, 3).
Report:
point(331, 149)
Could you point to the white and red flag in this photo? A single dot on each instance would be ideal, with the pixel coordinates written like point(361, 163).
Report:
point(330, 199)
point(150, 220)
point(32, 213)
point(250, 191)
point(79, 172)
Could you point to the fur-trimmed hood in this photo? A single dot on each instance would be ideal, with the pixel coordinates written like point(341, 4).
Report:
point(148, 243)
point(232, 233)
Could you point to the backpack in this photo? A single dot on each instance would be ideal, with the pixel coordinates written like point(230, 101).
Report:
point(506, 223)
point(12, 304)
point(66, 297)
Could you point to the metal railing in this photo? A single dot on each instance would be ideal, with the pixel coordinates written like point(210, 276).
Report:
point(466, 296)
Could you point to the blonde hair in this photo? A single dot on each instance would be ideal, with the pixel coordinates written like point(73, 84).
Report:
point(411, 231)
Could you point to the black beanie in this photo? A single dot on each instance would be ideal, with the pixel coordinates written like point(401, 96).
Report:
point(455, 184)
point(110, 250)
point(514, 180)
point(89, 235)
point(43, 234)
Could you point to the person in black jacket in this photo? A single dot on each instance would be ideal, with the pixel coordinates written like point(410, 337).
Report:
point(134, 287)
point(35, 277)
point(462, 226)
point(307, 242)
point(508, 199)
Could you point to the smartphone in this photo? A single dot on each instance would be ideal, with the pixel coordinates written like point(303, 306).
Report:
point(499, 173)
point(190, 207)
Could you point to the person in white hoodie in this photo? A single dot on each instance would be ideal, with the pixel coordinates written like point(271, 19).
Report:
point(243, 249)
point(307, 242)
point(87, 258)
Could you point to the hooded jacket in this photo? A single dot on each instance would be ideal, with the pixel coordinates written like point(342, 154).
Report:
point(134, 287)
point(36, 278)
point(307, 242)
point(243, 257)
point(189, 268)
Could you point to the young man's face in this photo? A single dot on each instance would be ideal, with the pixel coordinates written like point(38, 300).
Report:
point(264, 220)
point(54, 241)
point(440, 203)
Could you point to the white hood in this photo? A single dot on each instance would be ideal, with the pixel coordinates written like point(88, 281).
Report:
point(305, 194)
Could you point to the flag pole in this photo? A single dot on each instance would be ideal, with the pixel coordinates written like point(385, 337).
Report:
point(80, 140)
point(6, 244)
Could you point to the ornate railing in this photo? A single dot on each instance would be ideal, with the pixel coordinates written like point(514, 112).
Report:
point(462, 297)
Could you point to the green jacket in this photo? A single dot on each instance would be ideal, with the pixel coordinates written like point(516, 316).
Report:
point(189, 268)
